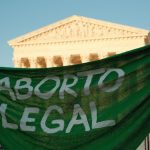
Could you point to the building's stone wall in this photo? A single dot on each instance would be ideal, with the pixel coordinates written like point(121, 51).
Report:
point(28, 55)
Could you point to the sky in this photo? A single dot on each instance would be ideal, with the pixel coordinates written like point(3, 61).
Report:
point(18, 17)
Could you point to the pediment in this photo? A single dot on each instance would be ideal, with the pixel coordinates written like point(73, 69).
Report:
point(77, 27)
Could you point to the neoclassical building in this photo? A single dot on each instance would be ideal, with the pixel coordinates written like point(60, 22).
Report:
point(75, 40)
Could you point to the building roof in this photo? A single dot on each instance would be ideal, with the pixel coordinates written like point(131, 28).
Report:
point(78, 27)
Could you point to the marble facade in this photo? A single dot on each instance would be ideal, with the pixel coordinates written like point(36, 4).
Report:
point(75, 40)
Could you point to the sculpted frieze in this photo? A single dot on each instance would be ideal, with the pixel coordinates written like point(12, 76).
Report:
point(78, 30)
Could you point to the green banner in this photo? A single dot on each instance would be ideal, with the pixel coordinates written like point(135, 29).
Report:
point(101, 105)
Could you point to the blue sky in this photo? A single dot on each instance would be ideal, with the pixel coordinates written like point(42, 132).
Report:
point(18, 17)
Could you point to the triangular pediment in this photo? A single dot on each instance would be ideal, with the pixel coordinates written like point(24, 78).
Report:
point(77, 27)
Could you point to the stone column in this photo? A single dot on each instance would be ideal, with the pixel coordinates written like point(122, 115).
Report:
point(84, 59)
point(65, 61)
point(17, 63)
point(100, 56)
point(32, 62)
point(49, 62)
point(149, 38)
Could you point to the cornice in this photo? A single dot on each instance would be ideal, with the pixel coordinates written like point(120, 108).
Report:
point(76, 41)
